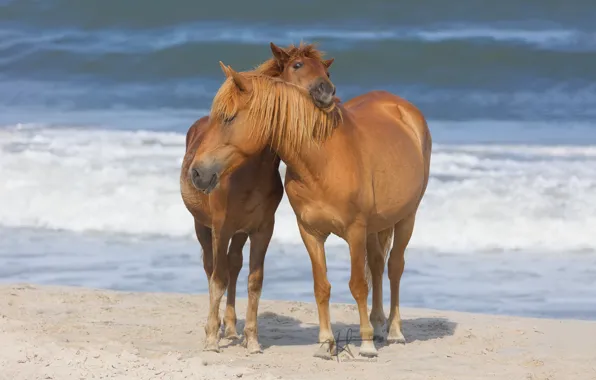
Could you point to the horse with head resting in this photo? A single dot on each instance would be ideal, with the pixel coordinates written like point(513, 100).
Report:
point(358, 171)
point(244, 203)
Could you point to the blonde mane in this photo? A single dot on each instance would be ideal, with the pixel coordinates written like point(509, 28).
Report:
point(279, 113)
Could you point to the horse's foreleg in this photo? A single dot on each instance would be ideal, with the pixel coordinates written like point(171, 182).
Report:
point(259, 242)
point(234, 267)
point(217, 287)
point(204, 237)
point(316, 250)
point(403, 232)
point(356, 239)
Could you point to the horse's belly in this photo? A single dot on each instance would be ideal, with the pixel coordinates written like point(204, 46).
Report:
point(389, 217)
point(394, 203)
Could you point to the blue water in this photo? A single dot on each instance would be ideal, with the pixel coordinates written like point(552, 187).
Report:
point(95, 100)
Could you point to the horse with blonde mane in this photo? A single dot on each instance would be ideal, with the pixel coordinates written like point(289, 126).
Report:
point(358, 171)
point(244, 203)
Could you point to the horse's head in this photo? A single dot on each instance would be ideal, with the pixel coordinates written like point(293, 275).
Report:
point(303, 65)
point(224, 145)
point(250, 112)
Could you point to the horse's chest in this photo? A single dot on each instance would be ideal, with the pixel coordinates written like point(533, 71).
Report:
point(322, 218)
point(315, 211)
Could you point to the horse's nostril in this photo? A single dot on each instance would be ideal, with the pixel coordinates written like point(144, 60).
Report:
point(327, 87)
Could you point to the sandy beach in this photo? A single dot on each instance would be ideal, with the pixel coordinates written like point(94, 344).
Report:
point(96, 99)
point(67, 333)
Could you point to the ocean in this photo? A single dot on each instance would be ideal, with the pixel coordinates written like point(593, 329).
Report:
point(96, 98)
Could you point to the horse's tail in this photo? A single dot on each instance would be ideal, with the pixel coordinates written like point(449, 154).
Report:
point(385, 239)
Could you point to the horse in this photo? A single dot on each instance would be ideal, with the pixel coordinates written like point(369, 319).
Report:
point(359, 172)
point(245, 202)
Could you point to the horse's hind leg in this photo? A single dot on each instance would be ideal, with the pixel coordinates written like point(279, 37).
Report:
point(376, 262)
point(357, 241)
point(234, 267)
point(403, 232)
point(259, 242)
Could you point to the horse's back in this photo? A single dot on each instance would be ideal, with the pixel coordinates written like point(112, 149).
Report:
point(382, 107)
point(398, 106)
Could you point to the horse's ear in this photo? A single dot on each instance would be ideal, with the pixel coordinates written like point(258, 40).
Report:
point(328, 62)
point(243, 83)
point(224, 68)
point(280, 54)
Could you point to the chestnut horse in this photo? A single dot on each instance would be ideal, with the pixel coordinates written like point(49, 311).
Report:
point(359, 172)
point(244, 203)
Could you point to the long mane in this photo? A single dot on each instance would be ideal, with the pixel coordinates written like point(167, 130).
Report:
point(279, 113)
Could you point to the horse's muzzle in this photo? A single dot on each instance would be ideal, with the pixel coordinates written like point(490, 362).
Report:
point(322, 93)
point(204, 178)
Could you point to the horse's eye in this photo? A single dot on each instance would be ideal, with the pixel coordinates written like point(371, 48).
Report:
point(298, 65)
point(328, 75)
point(230, 119)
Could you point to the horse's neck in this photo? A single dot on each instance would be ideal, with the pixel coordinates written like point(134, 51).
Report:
point(302, 167)
point(266, 160)
point(271, 159)
point(317, 161)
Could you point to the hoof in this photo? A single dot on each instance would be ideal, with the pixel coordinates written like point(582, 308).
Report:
point(232, 335)
point(211, 346)
point(230, 331)
point(379, 335)
point(254, 347)
point(325, 352)
point(369, 353)
point(368, 350)
point(396, 338)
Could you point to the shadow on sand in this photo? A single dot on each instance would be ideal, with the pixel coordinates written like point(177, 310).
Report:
point(281, 330)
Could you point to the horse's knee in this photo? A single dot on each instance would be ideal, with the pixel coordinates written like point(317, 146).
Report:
point(255, 281)
point(322, 291)
point(220, 280)
point(396, 260)
point(359, 288)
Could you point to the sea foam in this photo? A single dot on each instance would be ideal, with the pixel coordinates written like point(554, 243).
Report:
point(480, 198)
